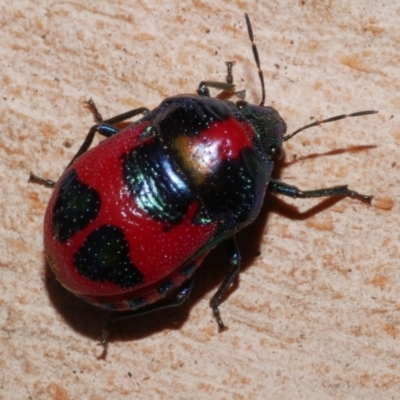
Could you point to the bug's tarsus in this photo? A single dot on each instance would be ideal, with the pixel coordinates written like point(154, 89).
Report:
point(363, 197)
point(93, 109)
point(256, 58)
point(241, 94)
point(331, 119)
point(40, 181)
point(105, 334)
point(229, 76)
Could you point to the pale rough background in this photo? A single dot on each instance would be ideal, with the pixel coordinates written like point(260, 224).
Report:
point(317, 315)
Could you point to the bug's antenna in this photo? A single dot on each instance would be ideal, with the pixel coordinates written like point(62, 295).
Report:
point(256, 58)
point(337, 118)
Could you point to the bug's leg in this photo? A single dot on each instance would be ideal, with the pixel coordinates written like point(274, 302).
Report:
point(292, 191)
point(105, 128)
point(182, 294)
point(216, 300)
point(118, 118)
point(203, 89)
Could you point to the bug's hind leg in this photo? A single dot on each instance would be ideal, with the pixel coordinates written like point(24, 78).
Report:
point(181, 295)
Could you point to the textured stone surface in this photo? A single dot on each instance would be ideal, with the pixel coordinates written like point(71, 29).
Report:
point(317, 314)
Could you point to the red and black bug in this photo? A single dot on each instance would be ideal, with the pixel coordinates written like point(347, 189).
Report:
point(131, 219)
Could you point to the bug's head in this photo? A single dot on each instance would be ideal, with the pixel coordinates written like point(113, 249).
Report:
point(268, 126)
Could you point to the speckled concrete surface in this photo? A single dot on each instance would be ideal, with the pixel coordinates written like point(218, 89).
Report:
point(317, 315)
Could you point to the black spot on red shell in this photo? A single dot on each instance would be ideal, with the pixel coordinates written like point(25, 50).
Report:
point(104, 257)
point(77, 205)
point(157, 185)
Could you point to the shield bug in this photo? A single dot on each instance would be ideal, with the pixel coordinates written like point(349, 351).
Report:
point(130, 220)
